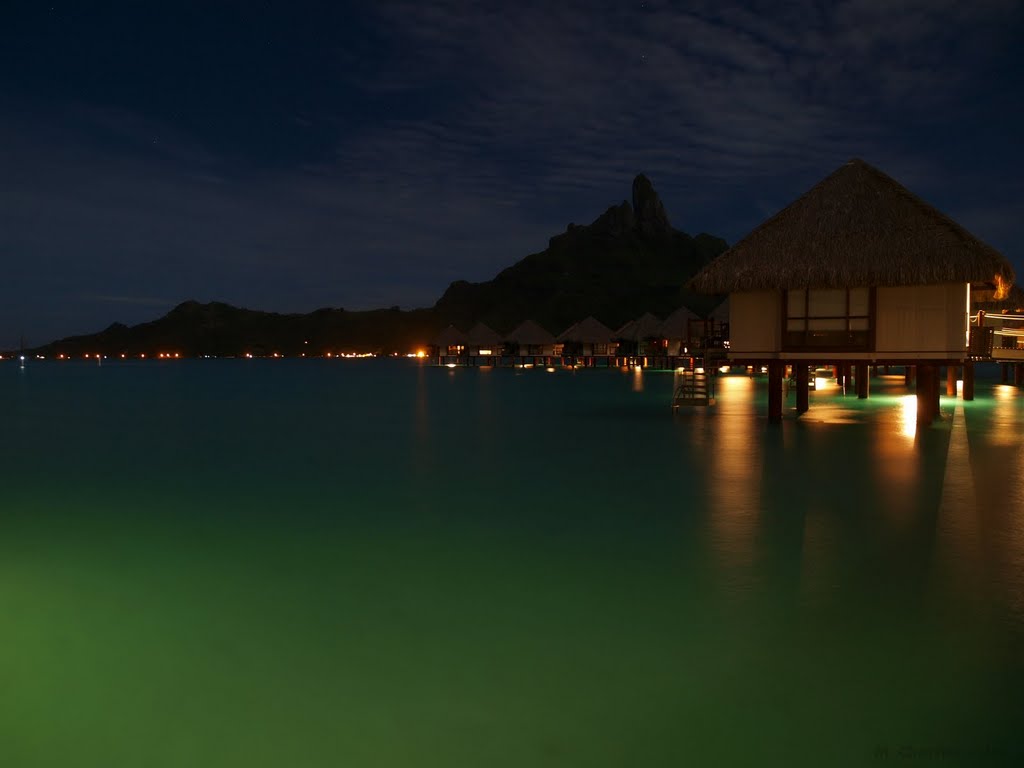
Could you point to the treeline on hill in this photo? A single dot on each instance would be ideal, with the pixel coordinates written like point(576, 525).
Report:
point(628, 261)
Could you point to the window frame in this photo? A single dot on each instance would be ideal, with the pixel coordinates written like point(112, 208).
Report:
point(857, 340)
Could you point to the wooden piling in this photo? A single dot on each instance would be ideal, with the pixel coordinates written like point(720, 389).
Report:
point(774, 392)
point(927, 393)
point(950, 381)
point(1018, 374)
point(862, 381)
point(968, 392)
point(802, 389)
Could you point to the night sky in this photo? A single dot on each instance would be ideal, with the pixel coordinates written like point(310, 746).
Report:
point(288, 156)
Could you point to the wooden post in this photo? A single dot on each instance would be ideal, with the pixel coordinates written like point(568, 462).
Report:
point(951, 381)
point(1005, 370)
point(862, 381)
point(802, 387)
point(774, 392)
point(908, 375)
point(1018, 374)
point(968, 381)
point(926, 382)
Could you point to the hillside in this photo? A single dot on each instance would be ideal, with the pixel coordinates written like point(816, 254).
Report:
point(630, 260)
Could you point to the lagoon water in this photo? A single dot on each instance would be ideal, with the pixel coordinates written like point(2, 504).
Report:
point(378, 563)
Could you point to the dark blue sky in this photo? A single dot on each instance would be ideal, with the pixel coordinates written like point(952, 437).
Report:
point(290, 155)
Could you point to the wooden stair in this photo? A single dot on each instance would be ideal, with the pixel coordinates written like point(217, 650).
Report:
point(694, 386)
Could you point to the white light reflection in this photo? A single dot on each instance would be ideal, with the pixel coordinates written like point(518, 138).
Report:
point(908, 416)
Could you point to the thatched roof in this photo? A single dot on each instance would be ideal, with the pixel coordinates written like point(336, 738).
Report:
point(857, 227)
point(677, 325)
point(483, 335)
point(450, 337)
point(587, 331)
point(528, 332)
point(647, 326)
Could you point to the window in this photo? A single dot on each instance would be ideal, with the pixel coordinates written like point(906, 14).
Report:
point(828, 318)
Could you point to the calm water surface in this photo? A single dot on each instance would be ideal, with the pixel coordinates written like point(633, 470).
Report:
point(372, 563)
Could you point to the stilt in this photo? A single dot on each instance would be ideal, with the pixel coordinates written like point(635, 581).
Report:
point(862, 381)
point(908, 375)
point(927, 391)
point(950, 381)
point(1018, 374)
point(1005, 369)
point(802, 387)
point(968, 381)
point(774, 392)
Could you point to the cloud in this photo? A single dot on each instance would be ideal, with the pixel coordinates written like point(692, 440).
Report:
point(482, 129)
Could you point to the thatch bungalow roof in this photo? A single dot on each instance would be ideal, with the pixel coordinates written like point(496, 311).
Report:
point(588, 331)
point(481, 335)
point(528, 332)
point(647, 326)
point(857, 227)
point(451, 337)
point(677, 325)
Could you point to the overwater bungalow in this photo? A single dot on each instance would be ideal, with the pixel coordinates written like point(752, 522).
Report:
point(529, 344)
point(450, 346)
point(678, 332)
point(484, 345)
point(639, 339)
point(588, 342)
point(857, 272)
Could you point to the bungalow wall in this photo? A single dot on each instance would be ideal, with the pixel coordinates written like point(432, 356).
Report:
point(755, 323)
point(909, 322)
point(931, 319)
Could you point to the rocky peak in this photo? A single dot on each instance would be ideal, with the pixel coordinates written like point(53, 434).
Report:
point(648, 210)
point(617, 220)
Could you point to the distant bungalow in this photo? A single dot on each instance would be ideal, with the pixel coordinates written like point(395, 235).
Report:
point(857, 271)
point(484, 345)
point(639, 338)
point(450, 345)
point(588, 342)
point(529, 342)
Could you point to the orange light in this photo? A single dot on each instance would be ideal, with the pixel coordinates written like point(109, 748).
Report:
point(1002, 288)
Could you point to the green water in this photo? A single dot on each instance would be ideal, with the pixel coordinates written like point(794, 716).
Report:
point(372, 563)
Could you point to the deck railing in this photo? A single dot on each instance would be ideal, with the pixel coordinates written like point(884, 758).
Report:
point(996, 335)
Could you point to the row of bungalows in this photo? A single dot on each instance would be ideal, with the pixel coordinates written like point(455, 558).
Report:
point(859, 272)
point(645, 341)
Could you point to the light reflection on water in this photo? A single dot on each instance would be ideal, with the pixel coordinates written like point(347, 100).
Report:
point(733, 479)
